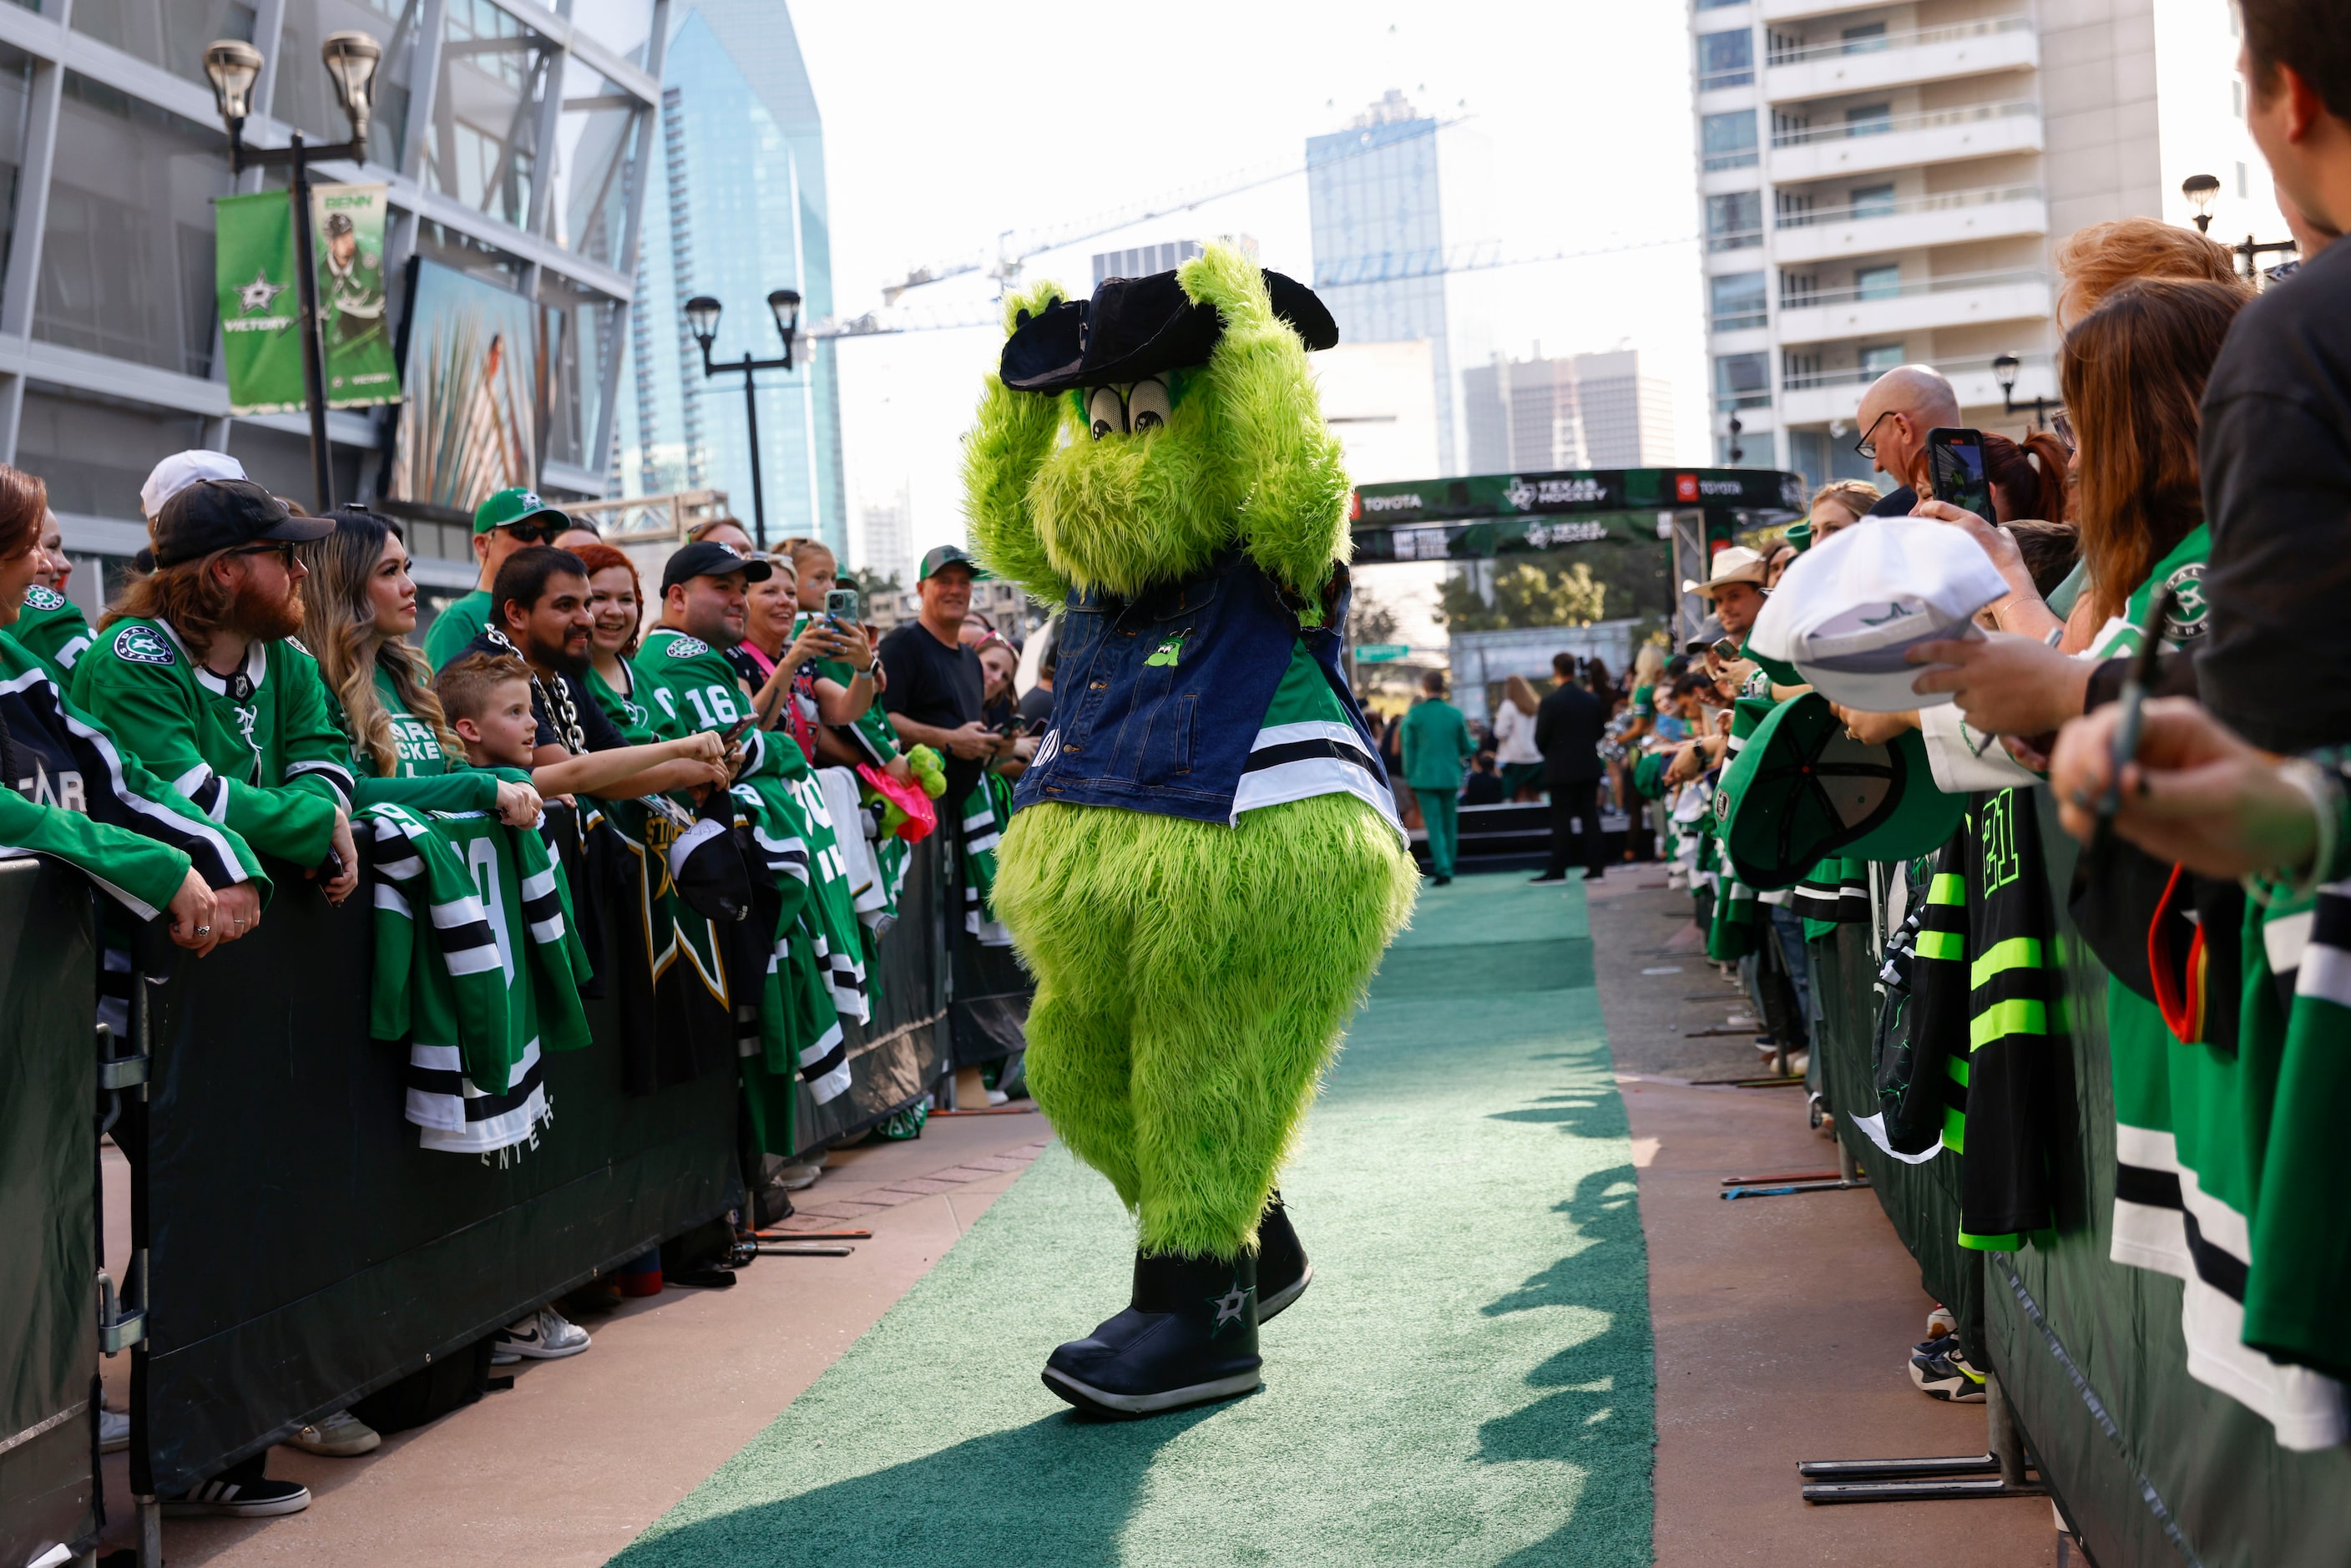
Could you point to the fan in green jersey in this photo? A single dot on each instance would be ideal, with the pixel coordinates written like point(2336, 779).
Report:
point(68, 793)
point(512, 519)
point(195, 671)
point(359, 605)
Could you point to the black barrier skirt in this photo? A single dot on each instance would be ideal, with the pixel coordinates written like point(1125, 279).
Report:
point(1922, 1200)
point(305, 1250)
point(48, 1217)
point(2151, 1465)
point(2147, 1461)
point(896, 1057)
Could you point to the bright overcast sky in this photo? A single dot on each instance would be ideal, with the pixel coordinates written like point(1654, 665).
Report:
point(945, 124)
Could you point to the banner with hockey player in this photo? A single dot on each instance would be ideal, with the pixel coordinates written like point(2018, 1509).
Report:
point(353, 332)
point(260, 306)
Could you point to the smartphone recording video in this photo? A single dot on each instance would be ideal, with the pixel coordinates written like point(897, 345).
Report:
point(1955, 468)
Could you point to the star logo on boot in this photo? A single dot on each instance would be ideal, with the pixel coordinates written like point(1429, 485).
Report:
point(1230, 1306)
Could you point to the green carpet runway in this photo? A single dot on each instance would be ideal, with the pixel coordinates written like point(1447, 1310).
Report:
point(1468, 1381)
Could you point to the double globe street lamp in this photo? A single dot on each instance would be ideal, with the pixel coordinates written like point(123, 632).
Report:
point(702, 314)
point(350, 60)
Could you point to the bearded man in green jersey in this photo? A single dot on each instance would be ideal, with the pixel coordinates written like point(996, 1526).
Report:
point(195, 674)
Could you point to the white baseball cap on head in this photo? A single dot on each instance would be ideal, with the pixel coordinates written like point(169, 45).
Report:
point(179, 471)
point(1847, 610)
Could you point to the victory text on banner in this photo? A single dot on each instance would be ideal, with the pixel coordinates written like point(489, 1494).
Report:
point(260, 309)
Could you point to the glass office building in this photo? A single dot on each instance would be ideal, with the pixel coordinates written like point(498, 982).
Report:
point(1387, 197)
point(738, 210)
point(509, 135)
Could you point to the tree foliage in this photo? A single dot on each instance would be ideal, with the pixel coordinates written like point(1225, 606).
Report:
point(1524, 594)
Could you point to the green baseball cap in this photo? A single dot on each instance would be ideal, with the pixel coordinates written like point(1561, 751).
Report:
point(513, 505)
point(1802, 789)
point(941, 557)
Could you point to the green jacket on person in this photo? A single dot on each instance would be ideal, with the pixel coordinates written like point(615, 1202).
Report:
point(1436, 739)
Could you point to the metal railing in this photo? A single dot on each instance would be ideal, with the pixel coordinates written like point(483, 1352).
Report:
point(1943, 201)
point(1912, 288)
point(1915, 38)
point(1855, 377)
point(1887, 125)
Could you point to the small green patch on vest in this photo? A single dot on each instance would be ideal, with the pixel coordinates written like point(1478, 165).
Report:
point(1167, 653)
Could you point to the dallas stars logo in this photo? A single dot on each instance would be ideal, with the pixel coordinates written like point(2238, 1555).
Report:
point(1230, 1305)
point(259, 294)
point(141, 645)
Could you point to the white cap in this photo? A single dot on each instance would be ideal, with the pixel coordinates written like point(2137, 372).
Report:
point(1849, 608)
point(179, 471)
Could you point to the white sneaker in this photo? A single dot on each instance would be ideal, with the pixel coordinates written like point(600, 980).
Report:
point(113, 1432)
point(342, 1435)
point(800, 1176)
point(544, 1335)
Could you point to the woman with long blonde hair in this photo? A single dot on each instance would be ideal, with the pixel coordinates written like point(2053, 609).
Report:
point(1514, 739)
point(359, 607)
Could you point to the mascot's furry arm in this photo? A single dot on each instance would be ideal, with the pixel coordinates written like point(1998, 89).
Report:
point(1293, 517)
point(1000, 459)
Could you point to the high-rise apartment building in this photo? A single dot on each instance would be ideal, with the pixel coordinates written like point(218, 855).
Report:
point(885, 543)
point(1387, 197)
point(1883, 183)
point(1590, 411)
point(737, 209)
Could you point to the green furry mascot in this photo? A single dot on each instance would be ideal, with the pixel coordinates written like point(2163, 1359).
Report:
point(1205, 863)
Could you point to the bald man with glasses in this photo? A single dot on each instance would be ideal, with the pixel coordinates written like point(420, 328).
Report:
point(1897, 412)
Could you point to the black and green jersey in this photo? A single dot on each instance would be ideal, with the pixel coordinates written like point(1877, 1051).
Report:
point(476, 968)
point(257, 749)
point(52, 630)
point(424, 776)
point(74, 796)
point(1982, 1000)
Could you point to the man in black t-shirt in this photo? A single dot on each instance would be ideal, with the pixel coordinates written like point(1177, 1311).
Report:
point(539, 609)
point(2276, 438)
point(933, 696)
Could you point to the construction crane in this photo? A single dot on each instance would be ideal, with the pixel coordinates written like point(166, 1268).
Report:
point(1481, 255)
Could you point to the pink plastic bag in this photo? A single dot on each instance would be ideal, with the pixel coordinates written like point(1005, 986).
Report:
point(922, 815)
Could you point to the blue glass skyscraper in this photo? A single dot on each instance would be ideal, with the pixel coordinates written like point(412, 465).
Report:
point(736, 208)
point(1387, 197)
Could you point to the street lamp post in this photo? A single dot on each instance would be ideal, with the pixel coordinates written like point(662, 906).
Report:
point(2005, 366)
point(2201, 190)
point(702, 314)
point(350, 60)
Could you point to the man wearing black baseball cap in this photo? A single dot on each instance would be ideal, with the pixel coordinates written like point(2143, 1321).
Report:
point(192, 673)
point(933, 696)
point(681, 668)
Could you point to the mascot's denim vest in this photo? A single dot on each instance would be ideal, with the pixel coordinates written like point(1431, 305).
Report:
point(1160, 702)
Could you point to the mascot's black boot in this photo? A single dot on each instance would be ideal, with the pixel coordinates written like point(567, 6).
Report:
point(1282, 1271)
point(1189, 1337)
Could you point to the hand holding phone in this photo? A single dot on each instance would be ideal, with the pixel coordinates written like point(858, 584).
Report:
point(1955, 470)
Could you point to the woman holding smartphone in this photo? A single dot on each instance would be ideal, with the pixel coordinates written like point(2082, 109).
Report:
point(830, 668)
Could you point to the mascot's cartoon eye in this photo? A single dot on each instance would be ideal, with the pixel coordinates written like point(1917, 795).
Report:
point(1147, 406)
point(1105, 412)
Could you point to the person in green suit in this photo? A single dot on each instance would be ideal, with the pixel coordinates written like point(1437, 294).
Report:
point(1435, 738)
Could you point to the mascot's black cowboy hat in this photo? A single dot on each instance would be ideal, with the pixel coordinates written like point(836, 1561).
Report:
point(1139, 327)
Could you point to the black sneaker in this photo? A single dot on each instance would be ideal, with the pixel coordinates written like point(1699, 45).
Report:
point(1282, 1271)
point(263, 1498)
point(1189, 1337)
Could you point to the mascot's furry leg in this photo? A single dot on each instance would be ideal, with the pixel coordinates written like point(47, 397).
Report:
point(1192, 981)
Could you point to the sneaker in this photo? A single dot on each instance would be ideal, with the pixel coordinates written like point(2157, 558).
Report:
point(1282, 1271)
point(342, 1435)
point(113, 1432)
point(501, 1356)
point(264, 1499)
point(1940, 1372)
point(800, 1176)
point(1940, 1321)
point(544, 1335)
